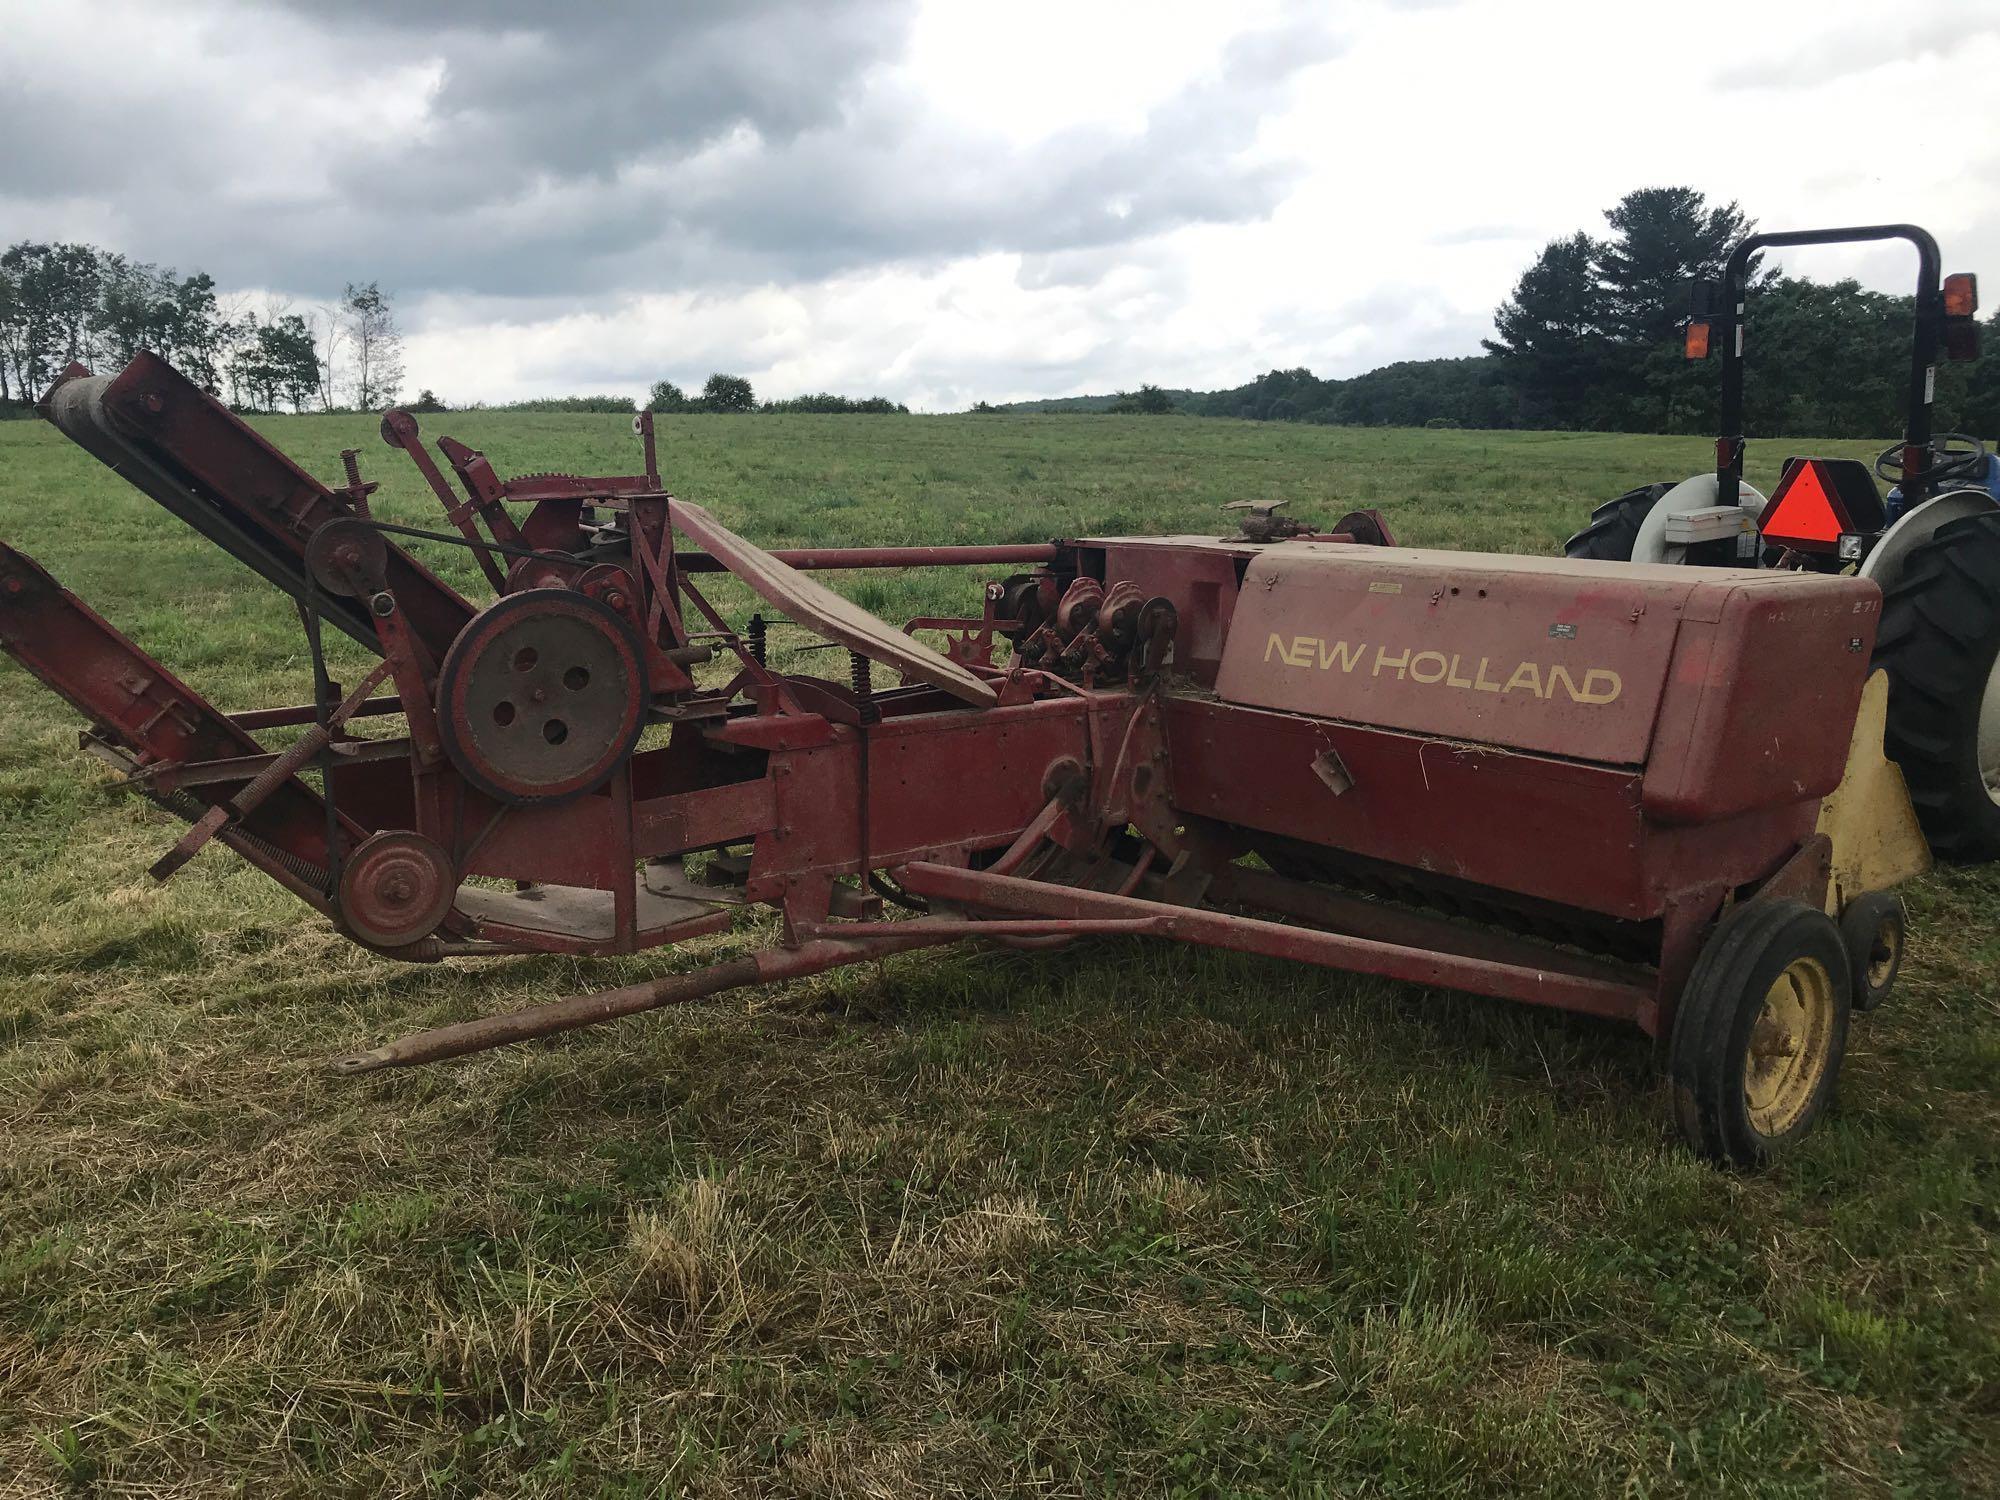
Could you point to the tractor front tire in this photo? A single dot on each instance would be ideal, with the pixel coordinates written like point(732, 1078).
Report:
point(1940, 641)
point(1614, 525)
point(1759, 1032)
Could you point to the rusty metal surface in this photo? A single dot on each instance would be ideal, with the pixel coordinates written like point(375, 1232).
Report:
point(1434, 966)
point(1600, 757)
point(1453, 808)
point(542, 696)
point(812, 602)
point(1458, 645)
point(395, 888)
point(767, 966)
point(203, 462)
point(563, 913)
point(151, 713)
point(835, 559)
point(1764, 688)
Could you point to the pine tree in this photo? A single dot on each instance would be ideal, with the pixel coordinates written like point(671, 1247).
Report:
point(1552, 334)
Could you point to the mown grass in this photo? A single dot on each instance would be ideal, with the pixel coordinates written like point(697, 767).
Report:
point(1114, 1220)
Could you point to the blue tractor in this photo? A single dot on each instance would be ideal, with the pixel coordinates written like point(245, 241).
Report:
point(1932, 542)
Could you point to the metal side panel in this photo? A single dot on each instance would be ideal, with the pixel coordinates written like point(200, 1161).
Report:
point(129, 697)
point(76, 407)
point(201, 461)
point(1525, 653)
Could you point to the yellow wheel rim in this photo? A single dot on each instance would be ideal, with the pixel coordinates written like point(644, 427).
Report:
point(1884, 954)
point(1789, 1044)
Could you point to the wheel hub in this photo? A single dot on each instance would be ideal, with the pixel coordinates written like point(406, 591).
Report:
point(395, 888)
point(1789, 1045)
point(540, 696)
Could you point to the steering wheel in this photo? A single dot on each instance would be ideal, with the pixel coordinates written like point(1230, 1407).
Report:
point(1954, 456)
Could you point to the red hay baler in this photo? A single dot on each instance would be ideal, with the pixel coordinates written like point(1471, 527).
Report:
point(1648, 793)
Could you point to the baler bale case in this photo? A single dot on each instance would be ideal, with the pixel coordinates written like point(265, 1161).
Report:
point(1650, 794)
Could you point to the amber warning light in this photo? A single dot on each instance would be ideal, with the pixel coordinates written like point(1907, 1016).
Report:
point(1961, 301)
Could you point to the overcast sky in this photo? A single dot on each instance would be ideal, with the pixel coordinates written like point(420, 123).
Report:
point(943, 202)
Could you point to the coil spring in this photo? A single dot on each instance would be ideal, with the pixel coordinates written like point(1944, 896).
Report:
point(864, 688)
point(755, 642)
point(191, 809)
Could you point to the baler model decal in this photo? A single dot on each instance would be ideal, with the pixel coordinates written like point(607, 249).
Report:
point(1600, 685)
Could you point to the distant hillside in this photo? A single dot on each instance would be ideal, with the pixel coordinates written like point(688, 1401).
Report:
point(1091, 403)
point(1469, 392)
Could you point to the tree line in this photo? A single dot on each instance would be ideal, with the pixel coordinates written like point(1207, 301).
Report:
point(1590, 339)
point(68, 302)
point(722, 393)
point(732, 393)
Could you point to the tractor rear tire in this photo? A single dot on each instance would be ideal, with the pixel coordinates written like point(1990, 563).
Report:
point(1614, 525)
point(1759, 1032)
point(1940, 641)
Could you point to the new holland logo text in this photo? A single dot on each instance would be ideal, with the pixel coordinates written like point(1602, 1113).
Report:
point(1596, 685)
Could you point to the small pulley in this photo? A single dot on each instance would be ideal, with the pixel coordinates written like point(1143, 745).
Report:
point(395, 888)
point(348, 558)
point(542, 696)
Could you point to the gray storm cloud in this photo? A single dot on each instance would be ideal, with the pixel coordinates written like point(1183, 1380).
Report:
point(585, 151)
point(941, 202)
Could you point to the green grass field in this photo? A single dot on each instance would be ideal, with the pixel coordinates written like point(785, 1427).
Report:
point(1123, 1219)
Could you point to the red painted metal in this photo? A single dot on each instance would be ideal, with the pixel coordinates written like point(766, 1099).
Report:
point(1538, 780)
point(1539, 985)
point(146, 711)
point(834, 559)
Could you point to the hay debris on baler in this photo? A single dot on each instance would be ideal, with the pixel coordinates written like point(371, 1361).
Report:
point(1650, 794)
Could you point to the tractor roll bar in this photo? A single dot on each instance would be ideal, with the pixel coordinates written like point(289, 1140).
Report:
point(1728, 321)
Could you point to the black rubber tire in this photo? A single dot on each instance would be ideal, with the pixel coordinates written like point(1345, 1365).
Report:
point(1614, 525)
point(1709, 1049)
point(1876, 934)
point(1940, 635)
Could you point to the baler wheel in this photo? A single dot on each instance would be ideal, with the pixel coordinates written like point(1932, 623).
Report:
point(1940, 640)
point(1614, 525)
point(1874, 931)
point(1760, 1032)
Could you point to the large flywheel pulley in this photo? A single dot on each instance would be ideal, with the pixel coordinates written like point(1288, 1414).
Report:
point(541, 696)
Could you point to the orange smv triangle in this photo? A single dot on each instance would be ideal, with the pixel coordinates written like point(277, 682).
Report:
point(1802, 510)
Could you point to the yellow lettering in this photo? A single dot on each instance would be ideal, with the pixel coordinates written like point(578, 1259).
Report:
point(1600, 684)
point(1614, 685)
point(1295, 653)
point(1348, 656)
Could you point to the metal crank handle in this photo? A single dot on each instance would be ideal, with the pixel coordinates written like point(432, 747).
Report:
point(260, 787)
